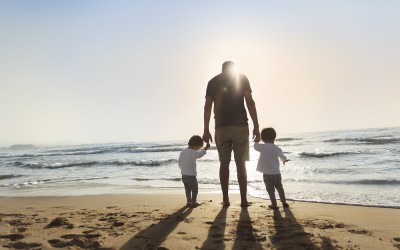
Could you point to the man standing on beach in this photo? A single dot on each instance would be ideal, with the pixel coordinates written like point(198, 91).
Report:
point(227, 91)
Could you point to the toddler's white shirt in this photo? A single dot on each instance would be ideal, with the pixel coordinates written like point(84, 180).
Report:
point(187, 160)
point(268, 163)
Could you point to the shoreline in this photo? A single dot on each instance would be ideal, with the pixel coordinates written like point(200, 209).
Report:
point(154, 191)
point(131, 222)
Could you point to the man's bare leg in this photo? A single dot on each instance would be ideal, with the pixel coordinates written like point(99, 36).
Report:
point(242, 179)
point(224, 179)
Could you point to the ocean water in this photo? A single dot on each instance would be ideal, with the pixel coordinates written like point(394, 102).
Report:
point(352, 167)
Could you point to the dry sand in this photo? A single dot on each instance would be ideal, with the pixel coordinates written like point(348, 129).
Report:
point(162, 222)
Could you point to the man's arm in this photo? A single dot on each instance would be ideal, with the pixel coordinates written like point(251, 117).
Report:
point(207, 115)
point(251, 106)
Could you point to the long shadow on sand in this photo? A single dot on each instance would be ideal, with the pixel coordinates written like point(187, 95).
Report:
point(289, 234)
point(154, 235)
point(216, 234)
point(245, 233)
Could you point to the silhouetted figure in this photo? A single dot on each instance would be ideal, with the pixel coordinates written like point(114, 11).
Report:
point(228, 91)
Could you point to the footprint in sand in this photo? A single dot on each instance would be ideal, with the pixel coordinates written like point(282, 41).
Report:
point(12, 237)
point(118, 224)
point(23, 245)
point(87, 236)
point(360, 231)
point(19, 222)
point(22, 229)
point(79, 242)
point(339, 225)
point(88, 231)
point(326, 226)
point(86, 241)
point(111, 207)
point(41, 220)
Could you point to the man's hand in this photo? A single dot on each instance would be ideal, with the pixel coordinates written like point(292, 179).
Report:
point(207, 137)
point(207, 114)
point(256, 135)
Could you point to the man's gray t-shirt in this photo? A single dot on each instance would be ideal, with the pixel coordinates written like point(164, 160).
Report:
point(227, 93)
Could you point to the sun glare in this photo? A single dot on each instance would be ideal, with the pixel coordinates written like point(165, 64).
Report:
point(236, 68)
point(233, 70)
point(217, 58)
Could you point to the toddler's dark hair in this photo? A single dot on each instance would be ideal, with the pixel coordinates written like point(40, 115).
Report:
point(268, 134)
point(196, 141)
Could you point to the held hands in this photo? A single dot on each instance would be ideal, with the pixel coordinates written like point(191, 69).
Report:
point(207, 146)
point(256, 135)
point(207, 137)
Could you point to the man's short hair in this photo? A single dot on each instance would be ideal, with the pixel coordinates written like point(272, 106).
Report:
point(268, 134)
point(227, 65)
point(195, 141)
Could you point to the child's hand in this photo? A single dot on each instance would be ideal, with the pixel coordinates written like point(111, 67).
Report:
point(285, 161)
point(207, 146)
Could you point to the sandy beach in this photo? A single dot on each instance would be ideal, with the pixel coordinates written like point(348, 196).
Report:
point(161, 221)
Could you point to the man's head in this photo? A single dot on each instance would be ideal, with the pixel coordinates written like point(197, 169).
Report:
point(228, 67)
point(268, 134)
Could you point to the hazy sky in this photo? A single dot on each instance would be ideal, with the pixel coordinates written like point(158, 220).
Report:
point(117, 71)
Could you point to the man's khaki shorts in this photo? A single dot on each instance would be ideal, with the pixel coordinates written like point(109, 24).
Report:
point(233, 138)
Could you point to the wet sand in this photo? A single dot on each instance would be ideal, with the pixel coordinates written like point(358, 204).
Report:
point(161, 221)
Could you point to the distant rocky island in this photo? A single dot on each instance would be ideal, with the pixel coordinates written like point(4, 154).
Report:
point(20, 147)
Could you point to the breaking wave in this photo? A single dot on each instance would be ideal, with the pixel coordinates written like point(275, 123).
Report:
point(57, 165)
point(324, 155)
point(372, 140)
point(351, 182)
point(95, 151)
point(148, 163)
